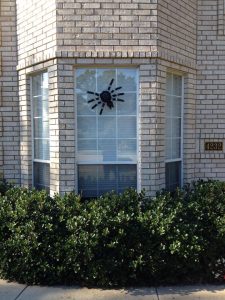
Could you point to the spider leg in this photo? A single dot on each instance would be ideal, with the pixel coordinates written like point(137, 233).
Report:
point(96, 105)
point(120, 94)
point(118, 88)
point(118, 99)
point(110, 85)
point(93, 93)
point(93, 100)
point(103, 104)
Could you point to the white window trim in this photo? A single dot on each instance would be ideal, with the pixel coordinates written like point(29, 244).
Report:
point(181, 159)
point(138, 123)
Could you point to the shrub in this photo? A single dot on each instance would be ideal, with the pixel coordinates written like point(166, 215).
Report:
point(4, 186)
point(116, 240)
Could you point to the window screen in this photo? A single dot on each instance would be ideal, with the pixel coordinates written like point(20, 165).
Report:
point(106, 130)
point(174, 95)
point(40, 118)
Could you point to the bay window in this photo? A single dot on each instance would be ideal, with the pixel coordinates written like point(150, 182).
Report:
point(106, 130)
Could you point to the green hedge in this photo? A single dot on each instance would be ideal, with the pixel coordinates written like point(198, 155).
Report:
point(116, 240)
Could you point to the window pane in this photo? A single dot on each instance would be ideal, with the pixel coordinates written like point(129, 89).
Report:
point(176, 127)
point(173, 175)
point(107, 150)
point(41, 128)
point(176, 148)
point(95, 180)
point(87, 180)
point(168, 128)
point(126, 127)
point(127, 175)
point(85, 80)
point(107, 178)
point(177, 85)
point(169, 150)
point(127, 79)
point(87, 150)
point(129, 106)
point(127, 150)
point(37, 86)
point(169, 106)
point(83, 107)
point(41, 149)
point(176, 106)
point(106, 127)
point(104, 78)
point(40, 108)
point(86, 127)
point(41, 176)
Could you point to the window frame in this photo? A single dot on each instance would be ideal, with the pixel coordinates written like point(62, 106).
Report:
point(35, 160)
point(181, 159)
point(138, 155)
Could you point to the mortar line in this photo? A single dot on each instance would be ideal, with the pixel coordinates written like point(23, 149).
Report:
point(17, 297)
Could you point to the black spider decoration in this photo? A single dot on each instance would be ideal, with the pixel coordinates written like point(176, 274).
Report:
point(106, 97)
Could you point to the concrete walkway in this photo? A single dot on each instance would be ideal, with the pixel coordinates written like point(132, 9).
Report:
point(14, 291)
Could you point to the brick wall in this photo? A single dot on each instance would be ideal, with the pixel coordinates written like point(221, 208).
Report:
point(210, 119)
point(9, 106)
point(36, 30)
point(177, 28)
point(102, 25)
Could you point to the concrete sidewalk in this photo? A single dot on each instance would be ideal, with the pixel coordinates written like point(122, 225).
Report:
point(14, 291)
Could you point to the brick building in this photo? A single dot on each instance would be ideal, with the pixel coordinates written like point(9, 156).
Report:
point(99, 95)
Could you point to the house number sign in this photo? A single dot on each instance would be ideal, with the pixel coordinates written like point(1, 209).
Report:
point(213, 146)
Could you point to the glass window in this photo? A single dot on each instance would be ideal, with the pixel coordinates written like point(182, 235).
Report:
point(106, 130)
point(41, 175)
point(173, 132)
point(173, 175)
point(40, 119)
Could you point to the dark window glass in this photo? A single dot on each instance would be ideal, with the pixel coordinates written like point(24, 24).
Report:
point(41, 176)
point(96, 180)
point(173, 175)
